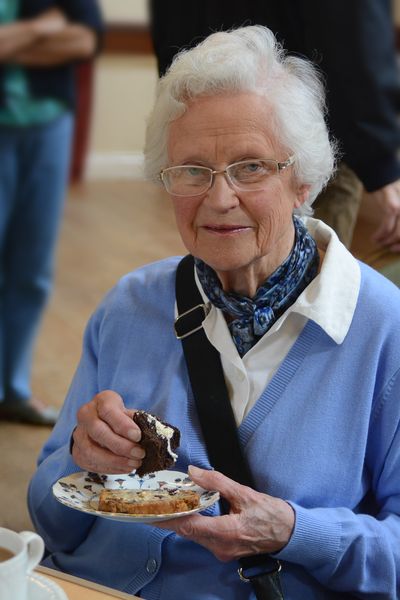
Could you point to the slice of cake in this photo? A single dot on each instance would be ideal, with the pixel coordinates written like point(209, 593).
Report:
point(148, 502)
point(159, 440)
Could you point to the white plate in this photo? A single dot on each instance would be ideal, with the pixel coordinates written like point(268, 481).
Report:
point(41, 588)
point(81, 491)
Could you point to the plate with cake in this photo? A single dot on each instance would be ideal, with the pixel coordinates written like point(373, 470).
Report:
point(151, 493)
point(153, 497)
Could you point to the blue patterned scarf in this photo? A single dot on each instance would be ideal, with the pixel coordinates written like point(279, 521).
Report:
point(253, 317)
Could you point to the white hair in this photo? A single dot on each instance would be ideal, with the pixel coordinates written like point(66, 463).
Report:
point(249, 59)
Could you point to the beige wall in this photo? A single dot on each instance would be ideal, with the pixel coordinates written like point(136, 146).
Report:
point(124, 10)
point(124, 92)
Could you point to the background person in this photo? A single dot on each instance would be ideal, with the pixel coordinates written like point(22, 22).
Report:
point(40, 41)
point(353, 44)
point(309, 340)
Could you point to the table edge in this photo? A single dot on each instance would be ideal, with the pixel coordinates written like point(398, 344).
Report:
point(84, 583)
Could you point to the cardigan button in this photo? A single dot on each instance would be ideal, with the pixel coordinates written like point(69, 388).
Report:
point(151, 565)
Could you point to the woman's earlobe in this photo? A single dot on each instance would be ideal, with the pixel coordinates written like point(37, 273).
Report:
point(302, 194)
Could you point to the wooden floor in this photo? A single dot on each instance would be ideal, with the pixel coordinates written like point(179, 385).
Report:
point(108, 230)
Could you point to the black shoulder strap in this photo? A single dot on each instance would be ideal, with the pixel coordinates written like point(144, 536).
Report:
point(208, 385)
point(216, 415)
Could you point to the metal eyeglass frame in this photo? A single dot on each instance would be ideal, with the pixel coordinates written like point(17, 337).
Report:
point(281, 166)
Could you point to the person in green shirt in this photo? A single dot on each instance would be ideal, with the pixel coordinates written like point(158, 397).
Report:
point(40, 41)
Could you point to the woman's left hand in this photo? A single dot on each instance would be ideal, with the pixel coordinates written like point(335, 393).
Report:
point(257, 523)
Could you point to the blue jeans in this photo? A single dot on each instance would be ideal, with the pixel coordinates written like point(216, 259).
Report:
point(34, 167)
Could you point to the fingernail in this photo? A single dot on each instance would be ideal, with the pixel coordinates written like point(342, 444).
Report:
point(134, 435)
point(132, 463)
point(138, 453)
point(195, 471)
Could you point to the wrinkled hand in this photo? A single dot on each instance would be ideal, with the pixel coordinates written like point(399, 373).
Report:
point(388, 202)
point(49, 22)
point(106, 439)
point(257, 523)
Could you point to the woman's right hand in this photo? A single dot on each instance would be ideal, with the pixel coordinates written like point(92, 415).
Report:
point(106, 439)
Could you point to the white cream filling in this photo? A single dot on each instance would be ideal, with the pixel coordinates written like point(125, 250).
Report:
point(165, 432)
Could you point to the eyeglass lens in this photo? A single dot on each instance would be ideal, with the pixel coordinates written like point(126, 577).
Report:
point(189, 180)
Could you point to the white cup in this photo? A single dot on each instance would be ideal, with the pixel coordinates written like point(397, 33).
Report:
point(26, 550)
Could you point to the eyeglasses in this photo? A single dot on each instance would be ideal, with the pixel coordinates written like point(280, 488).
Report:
point(246, 175)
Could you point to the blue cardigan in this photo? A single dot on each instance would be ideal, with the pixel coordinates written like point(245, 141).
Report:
point(324, 435)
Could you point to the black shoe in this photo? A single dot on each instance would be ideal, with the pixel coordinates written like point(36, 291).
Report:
point(32, 412)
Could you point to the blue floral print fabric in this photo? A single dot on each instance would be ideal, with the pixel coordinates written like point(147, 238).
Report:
point(254, 316)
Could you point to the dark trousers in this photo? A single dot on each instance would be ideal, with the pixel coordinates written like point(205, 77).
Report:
point(33, 177)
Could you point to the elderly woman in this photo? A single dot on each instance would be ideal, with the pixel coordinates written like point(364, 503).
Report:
point(310, 355)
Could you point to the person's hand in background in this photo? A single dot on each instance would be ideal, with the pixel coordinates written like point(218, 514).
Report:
point(387, 199)
point(49, 22)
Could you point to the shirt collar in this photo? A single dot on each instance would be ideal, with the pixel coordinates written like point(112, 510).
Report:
point(330, 299)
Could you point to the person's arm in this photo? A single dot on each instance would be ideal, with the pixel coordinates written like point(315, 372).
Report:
point(102, 433)
point(346, 552)
point(73, 42)
point(102, 444)
point(61, 528)
point(19, 36)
